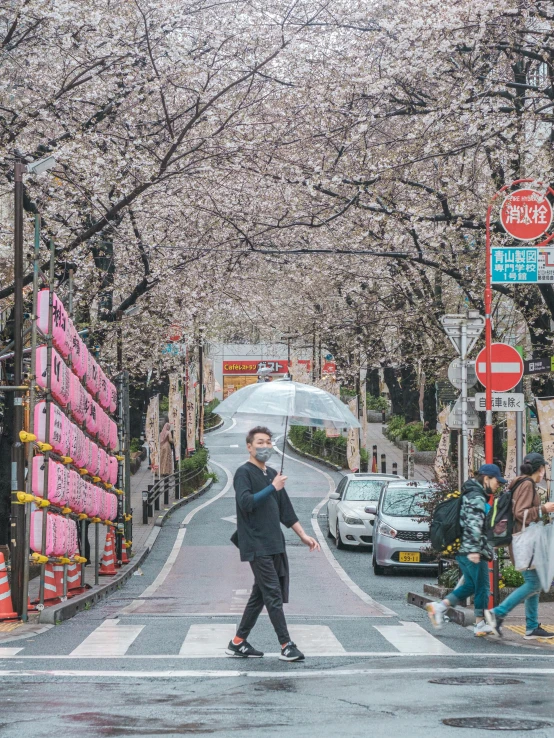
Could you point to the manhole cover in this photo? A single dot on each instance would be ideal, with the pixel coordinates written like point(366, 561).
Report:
point(475, 680)
point(495, 723)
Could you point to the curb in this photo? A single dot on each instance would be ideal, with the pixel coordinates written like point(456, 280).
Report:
point(461, 615)
point(66, 610)
point(214, 427)
point(161, 519)
point(314, 458)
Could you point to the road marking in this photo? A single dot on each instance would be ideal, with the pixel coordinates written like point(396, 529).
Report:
point(6, 653)
point(358, 591)
point(109, 638)
point(294, 672)
point(412, 638)
point(316, 639)
point(224, 430)
point(234, 445)
point(208, 639)
point(231, 519)
point(172, 558)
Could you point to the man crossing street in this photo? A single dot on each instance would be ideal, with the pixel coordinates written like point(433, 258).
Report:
point(262, 505)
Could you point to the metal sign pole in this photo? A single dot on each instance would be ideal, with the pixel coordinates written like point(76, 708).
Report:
point(463, 357)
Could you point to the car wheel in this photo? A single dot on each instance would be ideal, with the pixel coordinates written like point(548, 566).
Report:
point(338, 540)
point(379, 571)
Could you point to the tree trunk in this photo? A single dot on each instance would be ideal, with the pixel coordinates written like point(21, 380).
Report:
point(395, 391)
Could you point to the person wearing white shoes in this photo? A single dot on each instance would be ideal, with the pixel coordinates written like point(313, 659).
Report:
point(475, 551)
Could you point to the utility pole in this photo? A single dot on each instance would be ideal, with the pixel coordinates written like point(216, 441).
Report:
point(17, 552)
point(201, 388)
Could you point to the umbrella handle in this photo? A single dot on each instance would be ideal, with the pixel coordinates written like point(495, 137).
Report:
point(284, 445)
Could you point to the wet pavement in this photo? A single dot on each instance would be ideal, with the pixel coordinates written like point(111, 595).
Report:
point(149, 660)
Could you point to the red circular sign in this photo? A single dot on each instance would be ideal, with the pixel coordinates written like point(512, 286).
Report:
point(174, 332)
point(507, 367)
point(526, 214)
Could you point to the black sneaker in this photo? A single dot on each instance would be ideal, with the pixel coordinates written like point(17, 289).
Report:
point(291, 653)
point(538, 633)
point(494, 622)
point(243, 650)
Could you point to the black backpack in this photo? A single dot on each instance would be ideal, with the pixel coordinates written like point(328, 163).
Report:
point(499, 524)
point(446, 531)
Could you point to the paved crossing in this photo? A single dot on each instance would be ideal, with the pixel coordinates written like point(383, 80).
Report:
point(207, 640)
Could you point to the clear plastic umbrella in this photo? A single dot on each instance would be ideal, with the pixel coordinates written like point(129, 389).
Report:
point(300, 404)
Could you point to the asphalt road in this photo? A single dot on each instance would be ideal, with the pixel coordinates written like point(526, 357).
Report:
point(149, 661)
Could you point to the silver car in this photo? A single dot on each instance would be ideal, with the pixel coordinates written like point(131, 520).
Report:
point(401, 536)
point(350, 524)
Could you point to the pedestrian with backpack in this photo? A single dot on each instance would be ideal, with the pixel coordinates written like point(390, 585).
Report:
point(526, 508)
point(474, 552)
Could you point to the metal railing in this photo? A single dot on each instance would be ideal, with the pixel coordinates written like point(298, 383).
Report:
point(180, 484)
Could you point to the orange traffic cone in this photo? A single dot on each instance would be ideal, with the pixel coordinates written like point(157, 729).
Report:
point(107, 569)
point(124, 557)
point(6, 607)
point(50, 583)
point(58, 574)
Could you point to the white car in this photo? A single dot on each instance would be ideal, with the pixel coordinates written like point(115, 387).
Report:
point(349, 523)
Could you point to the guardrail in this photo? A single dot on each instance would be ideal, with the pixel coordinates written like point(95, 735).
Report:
point(180, 484)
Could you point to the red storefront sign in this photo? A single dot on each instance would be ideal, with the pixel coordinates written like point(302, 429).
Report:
point(251, 366)
point(526, 214)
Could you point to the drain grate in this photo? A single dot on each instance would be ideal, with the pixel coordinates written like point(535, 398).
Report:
point(478, 680)
point(495, 723)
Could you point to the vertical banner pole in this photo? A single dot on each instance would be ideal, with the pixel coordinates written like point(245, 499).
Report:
point(17, 552)
point(127, 460)
point(51, 276)
point(32, 395)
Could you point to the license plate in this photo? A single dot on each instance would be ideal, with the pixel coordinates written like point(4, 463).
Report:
point(409, 558)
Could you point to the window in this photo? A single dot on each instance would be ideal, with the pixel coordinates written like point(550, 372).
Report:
point(366, 490)
point(405, 503)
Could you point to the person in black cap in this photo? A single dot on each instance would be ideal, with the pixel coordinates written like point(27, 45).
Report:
point(475, 551)
point(525, 501)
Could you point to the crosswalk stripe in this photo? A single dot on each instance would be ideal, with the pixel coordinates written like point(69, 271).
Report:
point(208, 639)
point(109, 639)
point(412, 638)
point(9, 652)
point(316, 639)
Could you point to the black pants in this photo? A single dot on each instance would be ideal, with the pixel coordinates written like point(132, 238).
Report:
point(266, 591)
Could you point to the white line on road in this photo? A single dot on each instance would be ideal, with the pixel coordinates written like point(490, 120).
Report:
point(295, 671)
point(358, 591)
point(109, 638)
point(412, 638)
point(224, 430)
point(208, 639)
point(9, 652)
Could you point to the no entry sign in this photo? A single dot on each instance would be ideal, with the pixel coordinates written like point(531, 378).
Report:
point(526, 214)
point(506, 370)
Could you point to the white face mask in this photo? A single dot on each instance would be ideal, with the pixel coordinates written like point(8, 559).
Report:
point(263, 454)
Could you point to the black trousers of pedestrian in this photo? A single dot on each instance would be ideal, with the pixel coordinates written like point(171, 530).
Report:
point(266, 591)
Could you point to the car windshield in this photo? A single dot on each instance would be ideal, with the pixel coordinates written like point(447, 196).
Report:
point(364, 490)
point(405, 502)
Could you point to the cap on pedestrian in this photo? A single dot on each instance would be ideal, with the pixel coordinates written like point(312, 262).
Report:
point(492, 470)
point(535, 461)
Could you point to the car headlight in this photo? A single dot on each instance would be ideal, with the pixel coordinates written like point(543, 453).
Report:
point(352, 521)
point(386, 530)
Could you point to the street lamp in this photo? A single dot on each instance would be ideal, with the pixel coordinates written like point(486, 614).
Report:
point(18, 553)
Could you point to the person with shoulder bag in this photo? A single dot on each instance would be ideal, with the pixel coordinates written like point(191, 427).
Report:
point(527, 508)
point(475, 551)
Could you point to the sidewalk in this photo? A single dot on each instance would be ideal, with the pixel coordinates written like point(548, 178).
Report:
point(514, 626)
point(375, 437)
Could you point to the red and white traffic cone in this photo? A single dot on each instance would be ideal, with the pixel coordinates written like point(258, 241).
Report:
point(6, 607)
point(124, 546)
point(107, 568)
point(50, 583)
point(58, 575)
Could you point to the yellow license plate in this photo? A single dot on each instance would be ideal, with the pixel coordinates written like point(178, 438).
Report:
point(409, 558)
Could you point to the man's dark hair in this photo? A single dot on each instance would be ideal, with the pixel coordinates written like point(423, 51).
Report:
point(257, 429)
